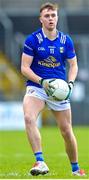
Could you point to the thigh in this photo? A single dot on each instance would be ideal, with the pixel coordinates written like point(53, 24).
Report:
point(63, 118)
point(32, 106)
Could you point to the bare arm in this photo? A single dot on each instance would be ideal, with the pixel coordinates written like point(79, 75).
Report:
point(29, 74)
point(73, 69)
point(26, 62)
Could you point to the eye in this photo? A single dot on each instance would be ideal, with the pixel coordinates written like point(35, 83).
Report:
point(53, 15)
point(46, 16)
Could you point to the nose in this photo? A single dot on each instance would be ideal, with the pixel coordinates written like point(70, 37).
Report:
point(50, 17)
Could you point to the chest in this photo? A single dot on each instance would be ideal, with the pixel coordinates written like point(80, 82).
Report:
point(50, 48)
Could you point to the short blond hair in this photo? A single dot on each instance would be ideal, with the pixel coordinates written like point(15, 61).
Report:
point(48, 5)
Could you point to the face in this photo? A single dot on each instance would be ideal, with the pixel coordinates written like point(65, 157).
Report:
point(49, 19)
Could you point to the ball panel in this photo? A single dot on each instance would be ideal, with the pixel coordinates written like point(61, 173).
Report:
point(61, 89)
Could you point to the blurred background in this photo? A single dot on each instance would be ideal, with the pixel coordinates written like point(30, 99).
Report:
point(18, 18)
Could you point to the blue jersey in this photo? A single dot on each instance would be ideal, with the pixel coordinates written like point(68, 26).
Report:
point(49, 56)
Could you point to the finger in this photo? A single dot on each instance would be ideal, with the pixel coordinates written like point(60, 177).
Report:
point(51, 86)
point(49, 92)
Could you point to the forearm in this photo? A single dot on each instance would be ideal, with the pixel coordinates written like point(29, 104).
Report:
point(30, 75)
point(72, 73)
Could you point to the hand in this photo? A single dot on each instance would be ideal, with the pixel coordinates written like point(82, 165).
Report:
point(71, 86)
point(46, 84)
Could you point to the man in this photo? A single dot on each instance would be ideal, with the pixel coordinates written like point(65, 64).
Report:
point(46, 52)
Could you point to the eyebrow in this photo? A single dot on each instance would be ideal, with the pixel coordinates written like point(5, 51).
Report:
point(49, 14)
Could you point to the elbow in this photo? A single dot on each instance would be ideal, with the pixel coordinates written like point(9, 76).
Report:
point(22, 70)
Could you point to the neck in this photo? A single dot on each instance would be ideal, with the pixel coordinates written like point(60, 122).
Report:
point(50, 34)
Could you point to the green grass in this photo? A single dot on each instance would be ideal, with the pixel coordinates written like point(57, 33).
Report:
point(16, 157)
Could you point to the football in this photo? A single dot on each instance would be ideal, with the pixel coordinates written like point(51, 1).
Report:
point(61, 89)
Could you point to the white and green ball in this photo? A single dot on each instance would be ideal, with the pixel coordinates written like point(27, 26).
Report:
point(61, 89)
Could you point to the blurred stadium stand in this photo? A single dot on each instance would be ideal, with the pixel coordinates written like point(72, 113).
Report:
point(18, 18)
point(11, 82)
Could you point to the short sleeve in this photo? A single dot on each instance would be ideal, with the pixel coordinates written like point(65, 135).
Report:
point(70, 51)
point(29, 46)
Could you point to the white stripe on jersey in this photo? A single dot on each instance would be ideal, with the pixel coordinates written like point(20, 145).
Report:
point(28, 47)
point(63, 38)
point(39, 36)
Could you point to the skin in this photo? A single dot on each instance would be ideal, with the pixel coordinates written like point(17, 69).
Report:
point(33, 106)
point(49, 21)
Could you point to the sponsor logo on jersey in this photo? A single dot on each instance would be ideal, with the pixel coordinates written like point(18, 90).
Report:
point(51, 58)
point(49, 62)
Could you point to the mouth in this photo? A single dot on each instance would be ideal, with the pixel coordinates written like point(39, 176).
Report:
point(51, 23)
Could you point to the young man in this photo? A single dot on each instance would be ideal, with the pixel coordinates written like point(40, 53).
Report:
point(46, 52)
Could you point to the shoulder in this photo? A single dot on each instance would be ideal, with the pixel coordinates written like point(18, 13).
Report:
point(29, 38)
point(39, 31)
point(35, 36)
point(38, 35)
point(32, 37)
point(29, 41)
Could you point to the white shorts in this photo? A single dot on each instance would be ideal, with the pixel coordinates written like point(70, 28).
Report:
point(51, 103)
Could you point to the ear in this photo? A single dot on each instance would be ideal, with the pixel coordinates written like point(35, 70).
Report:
point(40, 19)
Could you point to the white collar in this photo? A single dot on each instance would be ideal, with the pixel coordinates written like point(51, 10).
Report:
point(46, 36)
point(43, 33)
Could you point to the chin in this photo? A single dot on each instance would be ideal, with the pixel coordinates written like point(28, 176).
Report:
point(51, 29)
